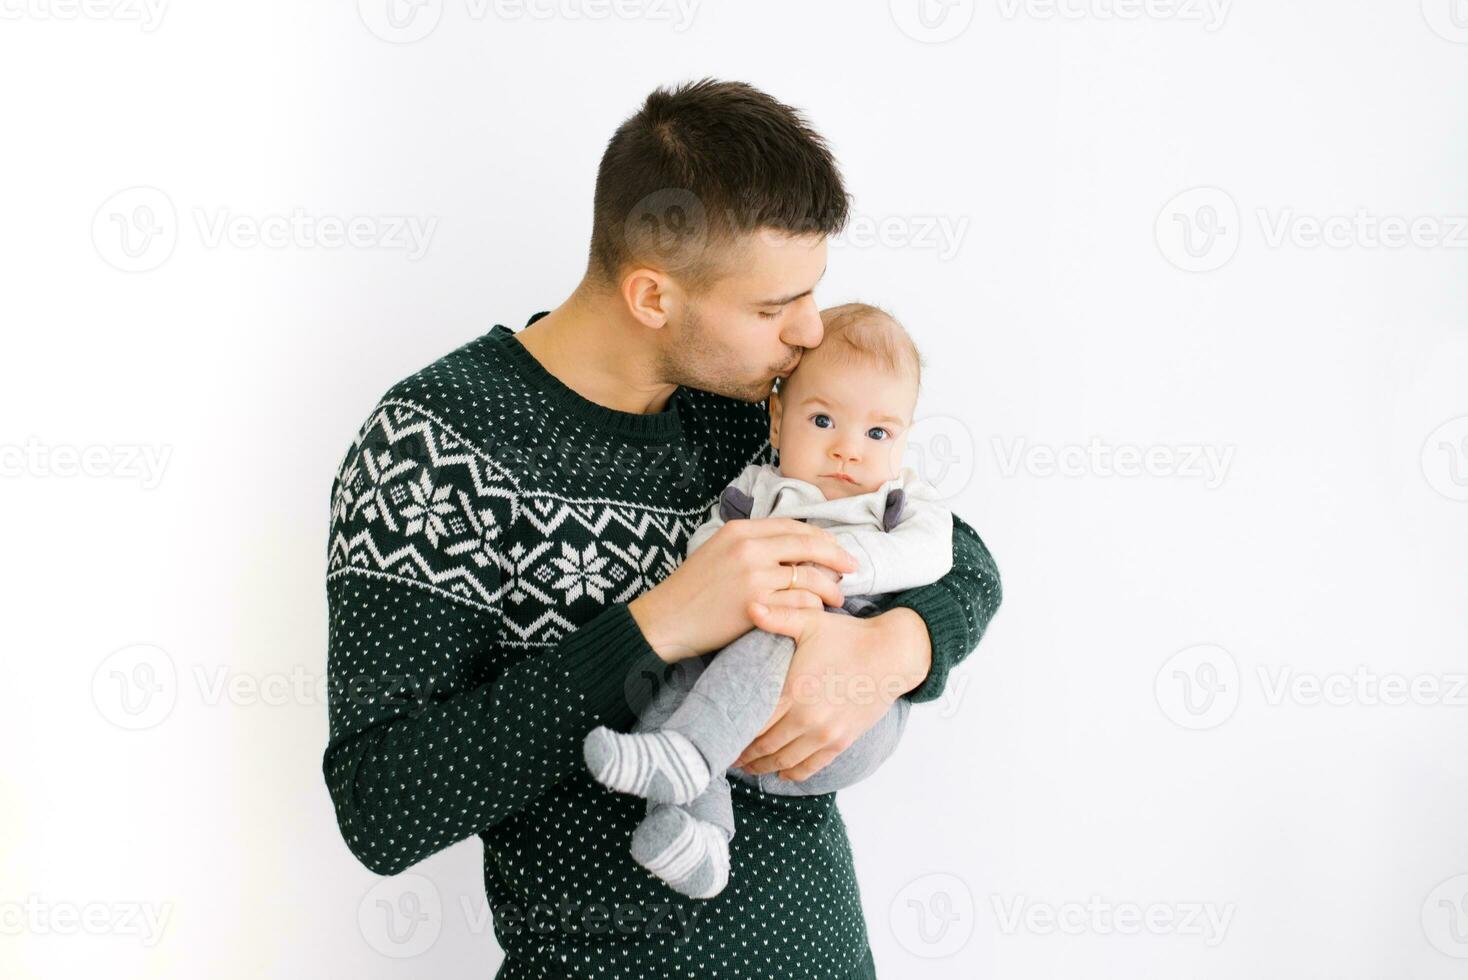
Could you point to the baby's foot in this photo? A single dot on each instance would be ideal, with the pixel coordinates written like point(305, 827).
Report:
point(660, 766)
point(691, 855)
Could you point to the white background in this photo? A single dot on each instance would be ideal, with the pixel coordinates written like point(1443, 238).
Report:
point(1137, 728)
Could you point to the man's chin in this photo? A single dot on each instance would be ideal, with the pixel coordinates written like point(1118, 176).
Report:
point(754, 391)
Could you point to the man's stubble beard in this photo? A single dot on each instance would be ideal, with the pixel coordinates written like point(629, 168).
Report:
point(695, 359)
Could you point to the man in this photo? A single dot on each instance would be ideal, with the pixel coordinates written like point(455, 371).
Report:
point(506, 572)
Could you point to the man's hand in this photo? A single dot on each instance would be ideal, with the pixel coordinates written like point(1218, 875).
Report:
point(844, 675)
point(808, 592)
point(704, 604)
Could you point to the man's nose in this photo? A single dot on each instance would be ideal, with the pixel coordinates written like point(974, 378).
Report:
point(804, 327)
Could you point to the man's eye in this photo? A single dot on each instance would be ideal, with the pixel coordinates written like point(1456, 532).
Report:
point(881, 434)
point(821, 415)
point(771, 316)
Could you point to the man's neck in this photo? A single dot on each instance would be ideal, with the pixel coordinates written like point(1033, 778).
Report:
point(594, 348)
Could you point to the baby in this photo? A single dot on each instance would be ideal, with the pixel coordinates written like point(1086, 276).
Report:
point(839, 424)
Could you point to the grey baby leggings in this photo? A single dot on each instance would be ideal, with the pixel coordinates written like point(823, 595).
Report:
point(721, 701)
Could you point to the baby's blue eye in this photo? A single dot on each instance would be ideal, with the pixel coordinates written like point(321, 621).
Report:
point(821, 415)
point(882, 434)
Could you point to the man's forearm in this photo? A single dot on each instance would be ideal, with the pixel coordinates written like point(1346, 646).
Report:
point(956, 609)
point(911, 648)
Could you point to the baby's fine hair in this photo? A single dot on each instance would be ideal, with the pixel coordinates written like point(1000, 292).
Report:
point(861, 332)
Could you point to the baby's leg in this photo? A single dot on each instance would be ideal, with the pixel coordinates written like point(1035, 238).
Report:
point(859, 761)
point(861, 757)
point(655, 698)
point(687, 845)
point(728, 704)
point(734, 697)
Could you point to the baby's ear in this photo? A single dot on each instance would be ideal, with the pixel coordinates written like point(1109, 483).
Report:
point(774, 420)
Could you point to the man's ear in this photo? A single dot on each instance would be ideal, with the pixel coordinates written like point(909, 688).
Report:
point(649, 296)
point(775, 419)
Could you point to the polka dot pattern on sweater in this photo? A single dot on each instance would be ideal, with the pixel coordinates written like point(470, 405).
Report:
point(489, 526)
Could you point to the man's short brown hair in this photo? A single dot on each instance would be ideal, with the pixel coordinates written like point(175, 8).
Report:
point(700, 165)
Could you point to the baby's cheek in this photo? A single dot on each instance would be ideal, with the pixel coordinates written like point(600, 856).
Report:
point(897, 448)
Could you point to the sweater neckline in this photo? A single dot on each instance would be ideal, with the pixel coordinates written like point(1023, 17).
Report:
point(653, 425)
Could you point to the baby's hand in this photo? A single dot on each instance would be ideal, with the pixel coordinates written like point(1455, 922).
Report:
point(811, 568)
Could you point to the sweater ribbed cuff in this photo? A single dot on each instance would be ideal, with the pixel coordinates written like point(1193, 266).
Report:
point(610, 664)
point(947, 634)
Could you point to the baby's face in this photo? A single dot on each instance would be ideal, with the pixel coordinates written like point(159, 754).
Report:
point(842, 427)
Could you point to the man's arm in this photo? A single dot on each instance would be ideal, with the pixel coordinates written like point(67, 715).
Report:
point(912, 645)
point(956, 609)
point(436, 733)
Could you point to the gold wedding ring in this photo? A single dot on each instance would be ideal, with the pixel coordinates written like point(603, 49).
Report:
point(794, 571)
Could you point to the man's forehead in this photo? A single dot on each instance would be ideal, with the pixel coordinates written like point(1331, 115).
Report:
point(774, 255)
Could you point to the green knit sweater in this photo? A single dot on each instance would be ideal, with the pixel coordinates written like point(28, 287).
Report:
point(488, 528)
